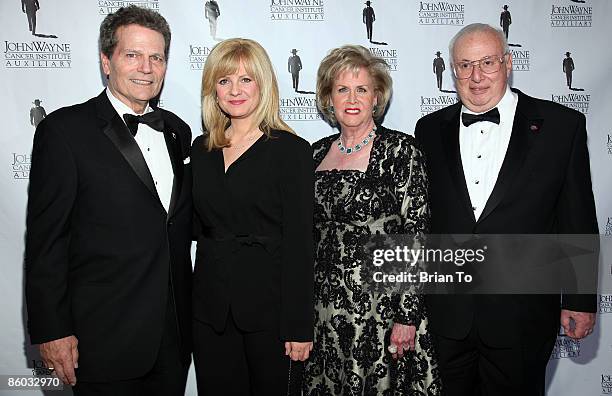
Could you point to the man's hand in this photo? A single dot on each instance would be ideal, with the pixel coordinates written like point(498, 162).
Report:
point(298, 350)
point(402, 338)
point(63, 356)
point(583, 323)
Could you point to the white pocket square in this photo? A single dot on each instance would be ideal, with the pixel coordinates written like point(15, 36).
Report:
point(186, 160)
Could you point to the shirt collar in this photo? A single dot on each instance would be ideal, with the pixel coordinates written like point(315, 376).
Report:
point(120, 107)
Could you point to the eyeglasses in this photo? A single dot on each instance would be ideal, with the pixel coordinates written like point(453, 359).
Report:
point(488, 65)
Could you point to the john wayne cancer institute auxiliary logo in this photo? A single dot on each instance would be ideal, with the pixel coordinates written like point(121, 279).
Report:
point(40, 368)
point(565, 347)
point(441, 13)
point(297, 10)
point(390, 55)
point(578, 99)
point(106, 7)
point(606, 384)
point(605, 304)
point(197, 56)
point(609, 227)
point(302, 106)
point(37, 55)
point(571, 15)
point(520, 59)
point(446, 97)
point(429, 104)
point(20, 166)
point(574, 101)
point(299, 108)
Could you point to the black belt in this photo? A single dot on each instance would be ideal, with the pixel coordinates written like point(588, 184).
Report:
point(266, 241)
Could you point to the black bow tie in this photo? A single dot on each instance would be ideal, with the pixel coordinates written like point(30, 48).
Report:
point(491, 116)
point(153, 119)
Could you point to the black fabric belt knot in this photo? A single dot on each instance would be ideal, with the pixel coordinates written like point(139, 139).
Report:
point(269, 243)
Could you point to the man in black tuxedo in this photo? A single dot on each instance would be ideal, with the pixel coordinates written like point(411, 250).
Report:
point(502, 162)
point(108, 266)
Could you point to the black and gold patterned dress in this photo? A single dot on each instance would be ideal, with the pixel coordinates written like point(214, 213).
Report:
point(352, 323)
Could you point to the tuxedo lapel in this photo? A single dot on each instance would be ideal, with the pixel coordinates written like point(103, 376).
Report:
point(173, 143)
point(116, 130)
point(518, 147)
point(450, 140)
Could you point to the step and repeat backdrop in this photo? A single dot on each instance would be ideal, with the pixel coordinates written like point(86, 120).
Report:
point(561, 52)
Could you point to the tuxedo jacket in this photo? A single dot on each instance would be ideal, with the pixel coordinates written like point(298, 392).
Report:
point(543, 187)
point(103, 257)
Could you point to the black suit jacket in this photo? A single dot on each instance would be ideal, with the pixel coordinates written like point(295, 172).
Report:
point(543, 187)
point(101, 251)
point(255, 254)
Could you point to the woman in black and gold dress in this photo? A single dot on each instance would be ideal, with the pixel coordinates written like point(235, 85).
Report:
point(368, 180)
point(252, 190)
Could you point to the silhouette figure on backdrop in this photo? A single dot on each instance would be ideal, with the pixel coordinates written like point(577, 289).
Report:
point(37, 113)
point(568, 68)
point(368, 18)
point(29, 7)
point(212, 12)
point(294, 65)
point(505, 20)
point(438, 68)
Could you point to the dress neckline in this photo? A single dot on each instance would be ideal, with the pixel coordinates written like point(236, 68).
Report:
point(241, 157)
point(329, 145)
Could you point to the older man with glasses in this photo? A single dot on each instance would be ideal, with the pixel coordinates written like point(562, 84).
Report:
point(502, 162)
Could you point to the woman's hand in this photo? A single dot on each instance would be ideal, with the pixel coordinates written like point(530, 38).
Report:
point(402, 339)
point(298, 350)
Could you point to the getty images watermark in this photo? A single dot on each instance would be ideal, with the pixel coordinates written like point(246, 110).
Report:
point(410, 257)
point(482, 264)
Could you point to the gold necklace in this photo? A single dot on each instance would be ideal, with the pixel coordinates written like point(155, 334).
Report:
point(245, 141)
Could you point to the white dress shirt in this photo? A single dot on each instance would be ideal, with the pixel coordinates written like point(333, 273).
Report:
point(154, 150)
point(483, 147)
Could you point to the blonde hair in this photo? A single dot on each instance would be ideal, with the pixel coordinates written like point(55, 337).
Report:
point(352, 57)
point(224, 59)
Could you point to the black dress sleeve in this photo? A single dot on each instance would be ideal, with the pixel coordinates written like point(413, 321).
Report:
point(297, 250)
point(414, 211)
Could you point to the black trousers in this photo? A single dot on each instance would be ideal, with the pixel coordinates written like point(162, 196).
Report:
point(31, 14)
point(296, 80)
point(468, 367)
point(240, 363)
point(167, 377)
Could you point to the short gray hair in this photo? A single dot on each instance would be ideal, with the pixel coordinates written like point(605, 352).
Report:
point(478, 28)
point(131, 15)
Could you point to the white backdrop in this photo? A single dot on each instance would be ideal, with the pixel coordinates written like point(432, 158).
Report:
point(59, 66)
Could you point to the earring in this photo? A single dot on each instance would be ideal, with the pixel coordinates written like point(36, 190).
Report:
point(374, 108)
point(331, 108)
